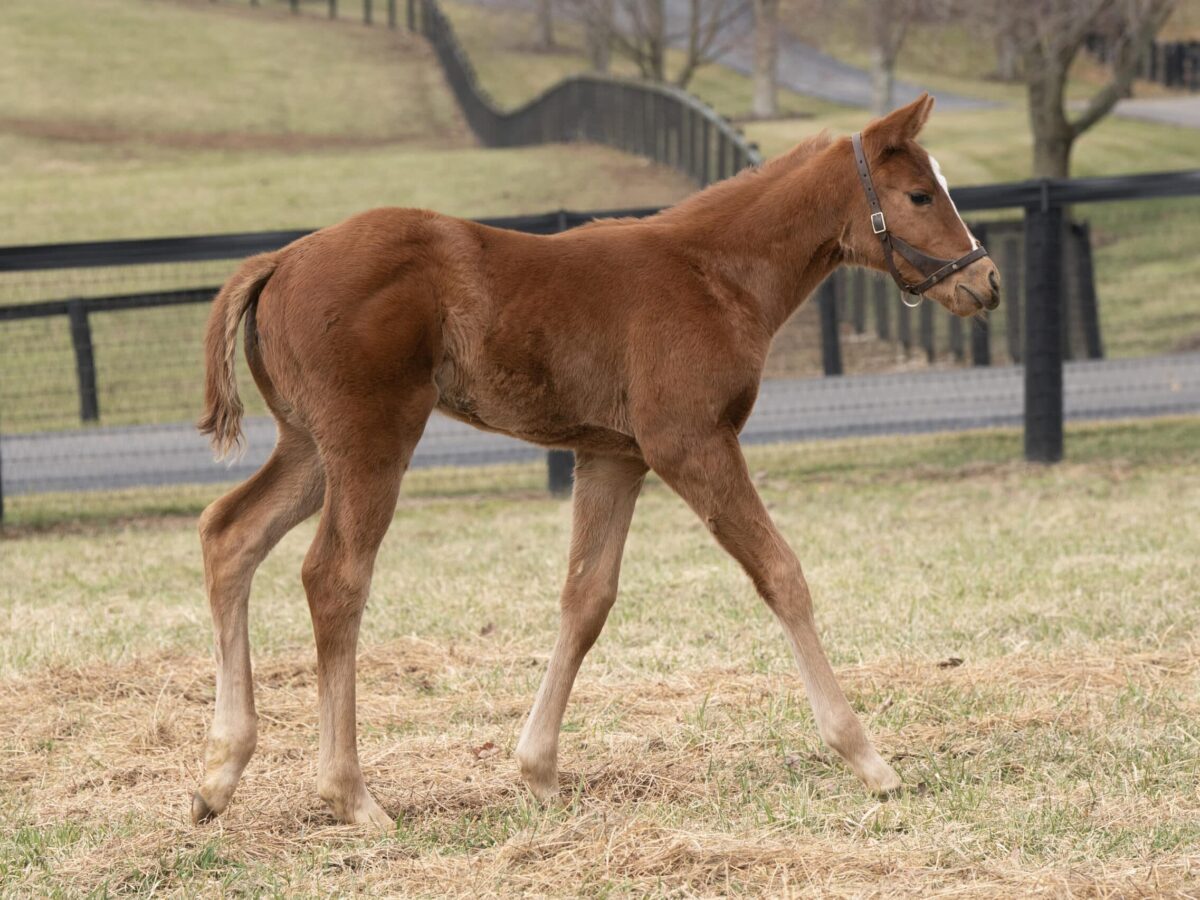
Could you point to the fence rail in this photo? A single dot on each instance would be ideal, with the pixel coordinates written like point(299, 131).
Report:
point(843, 308)
point(657, 121)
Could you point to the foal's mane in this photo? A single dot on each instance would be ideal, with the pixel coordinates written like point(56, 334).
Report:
point(725, 193)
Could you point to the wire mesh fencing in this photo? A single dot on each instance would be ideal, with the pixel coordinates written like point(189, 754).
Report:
point(101, 369)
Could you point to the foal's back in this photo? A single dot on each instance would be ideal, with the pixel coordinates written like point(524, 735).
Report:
point(541, 337)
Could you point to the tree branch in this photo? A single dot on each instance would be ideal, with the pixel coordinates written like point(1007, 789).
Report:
point(1139, 35)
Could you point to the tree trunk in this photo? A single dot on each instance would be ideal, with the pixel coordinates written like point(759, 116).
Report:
point(766, 57)
point(1052, 155)
point(598, 34)
point(1053, 135)
point(1008, 56)
point(545, 16)
point(656, 39)
point(883, 81)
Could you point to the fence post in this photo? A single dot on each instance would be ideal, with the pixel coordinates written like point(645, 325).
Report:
point(85, 361)
point(882, 324)
point(956, 337)
point(295, 6)
point(858, 310)
point(1043, 332)
point(560, 465)
point(392, 14)
point(1085, 285)
point(410, 14)
point(1014, 302)
point(333, 9)
point(981, 347)
point(926, 328)
point(366, 12)
point(904, 326)
point(831, 349)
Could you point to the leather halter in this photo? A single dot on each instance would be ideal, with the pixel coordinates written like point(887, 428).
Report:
point(933, 268)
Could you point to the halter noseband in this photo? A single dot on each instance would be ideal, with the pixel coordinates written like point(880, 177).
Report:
point(933, 268)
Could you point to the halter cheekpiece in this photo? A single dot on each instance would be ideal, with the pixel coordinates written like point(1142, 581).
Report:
point(933, 268)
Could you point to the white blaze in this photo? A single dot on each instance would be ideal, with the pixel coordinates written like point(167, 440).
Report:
point(937, 173)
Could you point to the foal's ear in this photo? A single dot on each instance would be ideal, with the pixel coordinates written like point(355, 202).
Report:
point(901, 125)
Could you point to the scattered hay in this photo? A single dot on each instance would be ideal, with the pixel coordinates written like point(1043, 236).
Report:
point(651, 804)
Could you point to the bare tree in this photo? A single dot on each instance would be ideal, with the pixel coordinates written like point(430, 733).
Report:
point(1050, 35)
point(641, 33)
point(889, 21)
point(545, 18)
point(597, 16)
point(766, 58)
point(1008, 57)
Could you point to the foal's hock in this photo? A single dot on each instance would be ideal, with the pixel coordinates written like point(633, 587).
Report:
point(638, 344)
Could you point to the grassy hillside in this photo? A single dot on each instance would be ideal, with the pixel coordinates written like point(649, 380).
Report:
point(123, 118)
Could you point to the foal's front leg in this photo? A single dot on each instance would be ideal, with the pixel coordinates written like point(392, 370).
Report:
point(606, 490)
point(709, 472)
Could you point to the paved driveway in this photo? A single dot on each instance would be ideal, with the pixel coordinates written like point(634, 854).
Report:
point(787, 410)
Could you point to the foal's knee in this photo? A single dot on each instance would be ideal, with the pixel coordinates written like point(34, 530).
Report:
point(229, 554)
point(585, 604)
point(336, 586)
point(782, 586)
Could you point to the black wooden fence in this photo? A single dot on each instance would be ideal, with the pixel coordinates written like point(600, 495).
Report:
point(1170, 63)
point(1043, 318)
point(657, 121)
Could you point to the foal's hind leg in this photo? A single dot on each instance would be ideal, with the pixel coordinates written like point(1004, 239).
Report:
point(605, 492)
point(364, 463)
point(710, 473)
point(236, 534)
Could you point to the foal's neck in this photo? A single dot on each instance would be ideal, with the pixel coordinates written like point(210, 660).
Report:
point(776, 231)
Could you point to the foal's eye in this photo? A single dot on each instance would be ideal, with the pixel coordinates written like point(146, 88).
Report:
point(920, 198)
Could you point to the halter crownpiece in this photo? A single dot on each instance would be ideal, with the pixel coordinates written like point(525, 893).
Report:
point(933, 268)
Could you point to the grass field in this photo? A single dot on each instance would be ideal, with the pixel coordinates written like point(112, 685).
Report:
point(1060, 757)
point(124, 118)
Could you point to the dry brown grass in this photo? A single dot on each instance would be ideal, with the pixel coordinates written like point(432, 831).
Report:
point(112, 749)
point(1060, 757)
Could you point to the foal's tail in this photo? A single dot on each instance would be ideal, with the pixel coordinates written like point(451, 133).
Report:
point(223, 408)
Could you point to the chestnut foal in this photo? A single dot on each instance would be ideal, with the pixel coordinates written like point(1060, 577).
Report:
point(638, 344)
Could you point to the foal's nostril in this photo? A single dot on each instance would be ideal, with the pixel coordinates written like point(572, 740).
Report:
point(994, 282)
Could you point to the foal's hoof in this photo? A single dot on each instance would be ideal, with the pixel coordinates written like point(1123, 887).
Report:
point(547, 795)
point(201, 811)
point(363, 810)
point(884, 782)
point(374, 816)
point(541, 781)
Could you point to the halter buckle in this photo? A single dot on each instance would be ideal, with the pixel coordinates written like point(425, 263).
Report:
point(877, 224)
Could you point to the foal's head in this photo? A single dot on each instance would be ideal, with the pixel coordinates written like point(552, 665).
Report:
point(917, 208)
